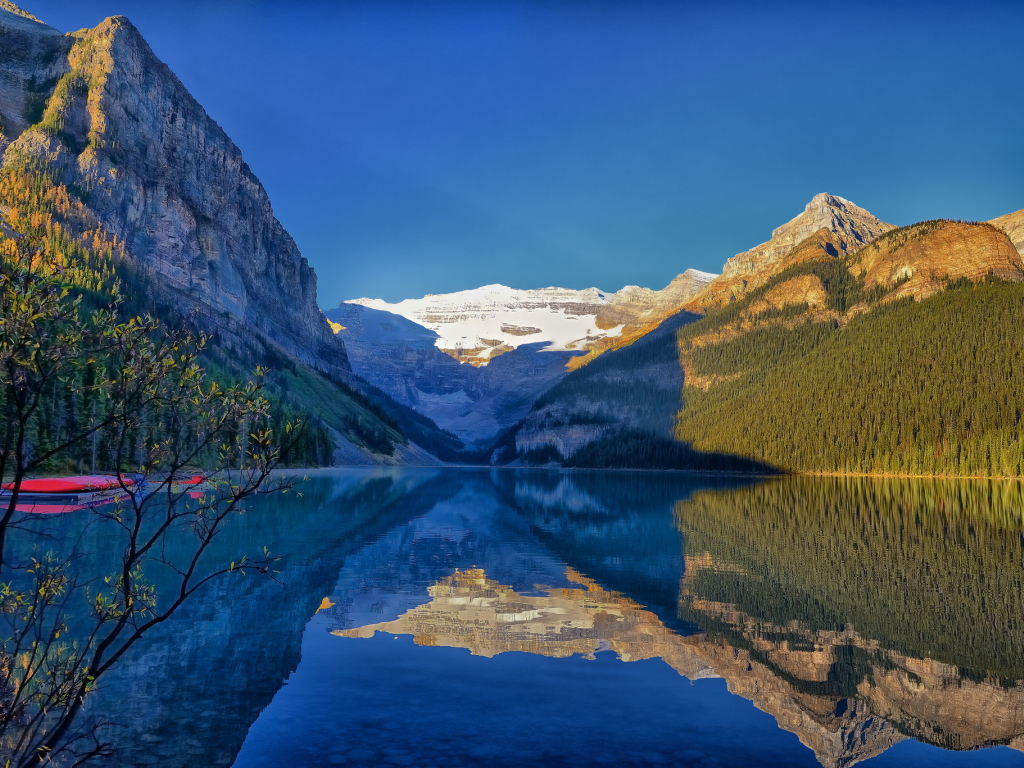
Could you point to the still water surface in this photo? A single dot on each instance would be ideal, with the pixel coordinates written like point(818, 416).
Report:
point(477, 617)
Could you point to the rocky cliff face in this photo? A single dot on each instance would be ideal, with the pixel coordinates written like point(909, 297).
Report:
point(917, 260)
point(838, 226)
point(114, 124)
point(1013, 225)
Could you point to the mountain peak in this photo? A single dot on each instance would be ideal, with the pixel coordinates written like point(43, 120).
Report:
point(6, 5)
point(177, 192)
point(853, 226)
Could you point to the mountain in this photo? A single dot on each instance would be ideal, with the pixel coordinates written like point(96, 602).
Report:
point(899, 358)
point(848, 227)
point(478, 325)
point(107, 155)
point(512, 345)
point(860, 348)
point(114, 125)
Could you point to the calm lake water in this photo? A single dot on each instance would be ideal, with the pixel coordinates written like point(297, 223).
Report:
point(493, 618)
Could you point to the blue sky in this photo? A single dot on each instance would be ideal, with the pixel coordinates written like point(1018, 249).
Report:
point(427, 147)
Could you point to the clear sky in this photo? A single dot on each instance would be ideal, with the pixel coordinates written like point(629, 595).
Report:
point(427, 147)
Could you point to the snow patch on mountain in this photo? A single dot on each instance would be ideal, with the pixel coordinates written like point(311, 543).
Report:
point(481, 323)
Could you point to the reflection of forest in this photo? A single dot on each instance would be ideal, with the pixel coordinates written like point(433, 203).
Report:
point(832, 603)
point(929, 568)
point(843, 600)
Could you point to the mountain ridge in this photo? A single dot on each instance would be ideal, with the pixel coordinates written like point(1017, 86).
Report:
point(761, 312)
point(476, 325)
point(107, 118)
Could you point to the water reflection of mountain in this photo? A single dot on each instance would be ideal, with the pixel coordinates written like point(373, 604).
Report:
point(856, 613)
point(829, 604)
point(900, 599)
point(189, 695)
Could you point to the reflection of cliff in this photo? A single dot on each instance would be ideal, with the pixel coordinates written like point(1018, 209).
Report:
point(843, 697)
point(469, 610)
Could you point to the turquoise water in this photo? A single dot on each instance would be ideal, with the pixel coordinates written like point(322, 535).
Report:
point(477, 617)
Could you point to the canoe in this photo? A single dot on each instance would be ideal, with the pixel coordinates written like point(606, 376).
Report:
point(78, 484)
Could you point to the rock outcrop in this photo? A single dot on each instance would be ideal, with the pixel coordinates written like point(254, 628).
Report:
point(1013, 225)
point(113, 123)
point(918, 260)
point(829, 225)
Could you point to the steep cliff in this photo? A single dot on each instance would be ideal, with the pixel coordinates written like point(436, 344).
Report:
point(100, 113)
point(1013, 225)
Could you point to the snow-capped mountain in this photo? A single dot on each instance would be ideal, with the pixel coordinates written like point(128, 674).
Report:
point(477, 325)
point(518, 343)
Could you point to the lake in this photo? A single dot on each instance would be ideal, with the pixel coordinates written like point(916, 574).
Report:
point(506, 618)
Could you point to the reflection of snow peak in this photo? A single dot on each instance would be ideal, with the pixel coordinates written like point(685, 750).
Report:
point(487, 321)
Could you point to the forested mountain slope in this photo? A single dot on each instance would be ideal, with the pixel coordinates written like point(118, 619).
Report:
point(110, 161)
point(904, 358)
point(901, 357)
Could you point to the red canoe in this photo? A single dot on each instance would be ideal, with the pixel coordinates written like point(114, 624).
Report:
point(80, 484)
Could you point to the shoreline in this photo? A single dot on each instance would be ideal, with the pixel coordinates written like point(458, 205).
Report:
point(701, 472)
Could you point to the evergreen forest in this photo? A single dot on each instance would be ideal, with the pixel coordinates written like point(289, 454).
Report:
point(917, 388)
point(95, 268)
